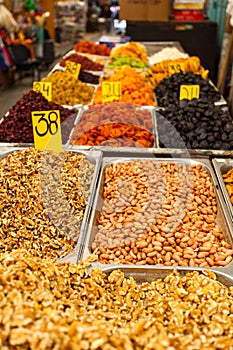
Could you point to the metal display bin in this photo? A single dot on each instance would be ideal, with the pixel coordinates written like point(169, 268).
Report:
point(153, 47)
point(154, 132)
point(95, 157)
point(222, 219)
point(221, 167)
point(149, 274)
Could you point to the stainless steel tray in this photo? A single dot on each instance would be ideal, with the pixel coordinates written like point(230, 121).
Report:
point(222, 219)
point(150, 274)
point(221, 166)
point(151, 109)
point(155, 46)
point(95, 157)
point(222, 106)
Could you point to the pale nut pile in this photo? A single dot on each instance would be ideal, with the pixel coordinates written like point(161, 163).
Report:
point(160, 213)
point(168, 53)
point(56, 306)
point(43, 197)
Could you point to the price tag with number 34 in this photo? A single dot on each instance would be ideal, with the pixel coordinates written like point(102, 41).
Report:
point(47, 130)
point(44, 87)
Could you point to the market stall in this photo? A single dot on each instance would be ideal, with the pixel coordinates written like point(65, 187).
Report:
point(123, 237)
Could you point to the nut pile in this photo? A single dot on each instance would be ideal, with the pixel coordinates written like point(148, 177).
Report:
point(66, 90)
point(43, 197)
point(115, 124)
point(17, 125)
point(167, 53)
point(168, 91)
point(47, 305)
point(159, 213)
point(228, 180)
point(197, 124)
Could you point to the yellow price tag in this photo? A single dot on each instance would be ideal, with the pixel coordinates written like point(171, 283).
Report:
point(73, 68)
point(111, 91)
point(175, 68)
point(189, 92)
point(47, 130)
point(44, 87)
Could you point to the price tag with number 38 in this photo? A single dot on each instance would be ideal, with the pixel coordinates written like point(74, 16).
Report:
point(47, 130)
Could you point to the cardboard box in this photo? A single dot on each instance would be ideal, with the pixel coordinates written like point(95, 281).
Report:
point(145, 10)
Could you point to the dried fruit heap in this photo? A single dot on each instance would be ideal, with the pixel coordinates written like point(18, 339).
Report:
point(115, 124)
point(66, 90)
point(134, 88)
point(86, 63)
point(17, 124)
point(92, 48)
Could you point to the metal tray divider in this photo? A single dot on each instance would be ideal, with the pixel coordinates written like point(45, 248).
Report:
point(74, 257)
point(218, 163)
point(149, 273)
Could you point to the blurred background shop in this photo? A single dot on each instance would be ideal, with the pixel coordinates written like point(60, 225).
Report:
point(49, 28)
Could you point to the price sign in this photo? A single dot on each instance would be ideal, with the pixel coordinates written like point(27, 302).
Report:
point(44, 87)
point(47, 130)
point(73, 68)
point(189, 92)
point(111, 91)
point(175, 68)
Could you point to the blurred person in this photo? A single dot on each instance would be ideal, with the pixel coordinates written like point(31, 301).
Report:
point(107, 14)
point(7, 20)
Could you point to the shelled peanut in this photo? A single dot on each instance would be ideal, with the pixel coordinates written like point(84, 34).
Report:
point(228, 180)
point(66, 90)
point(160, 213)
point(165, 68)
point(134, 88)
point(115, 124)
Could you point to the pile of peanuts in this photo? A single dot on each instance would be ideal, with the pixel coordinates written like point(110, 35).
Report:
point(160, 213)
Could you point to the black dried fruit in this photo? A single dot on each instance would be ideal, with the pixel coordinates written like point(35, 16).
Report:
point(168, 91)
point(194, 129)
